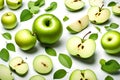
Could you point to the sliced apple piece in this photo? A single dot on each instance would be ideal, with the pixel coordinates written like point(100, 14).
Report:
point(78, 25)
point(74, 5)
point(116, 9)
point(37, 77)
point(98, 3)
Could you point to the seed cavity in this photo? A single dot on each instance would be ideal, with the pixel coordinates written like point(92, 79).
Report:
point(44, 64)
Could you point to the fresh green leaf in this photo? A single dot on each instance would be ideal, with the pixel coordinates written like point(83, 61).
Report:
point(52, 6)
point(7, 36)
point(107, 28)
point(98, 29)
point(4, 54)
point(10, 46)
point(108, 78)
point(39, 3)
point(65, 60)
point(112, 3)
point(93, 36)
point(59, 74)
point(34, 9)
point(31, 4)
point(65, 18)
point(25, 15)
point(50, 51)
point(114, 25)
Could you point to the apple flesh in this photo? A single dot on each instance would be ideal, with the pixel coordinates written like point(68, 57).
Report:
point(110, 41)
point(37, 77)
point(116, 9)
point(98, 15)
point(9, 20)
point(98, 3)
point(1, 4)
point(86, 74)
point(74, 5)
point(47, 28)
point(5, 73)
point(14, 4)
point(82, 48)
point(25, 39)
point(78, 25)
point(42, 64)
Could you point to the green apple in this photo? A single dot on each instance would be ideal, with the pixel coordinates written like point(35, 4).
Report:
point(48, 28)
point(42, 64)
point(78, 25)
point(98, 15)
point(77, 46)
point(110, 41)
point(86, 74)
point(74, 5)
point(5, 73)
point(14, 4)
point(1, 4)
point(25, 39)
point(37, 77)
point(98, 3)
point(9, 20)
point(116, 9)
point(18, 65)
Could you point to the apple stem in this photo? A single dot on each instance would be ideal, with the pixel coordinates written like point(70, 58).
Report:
point(86, 35)
point(101, 8)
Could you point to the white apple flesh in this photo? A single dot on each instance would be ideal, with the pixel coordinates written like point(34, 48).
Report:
point(37, 77)
point(116, 9)
point(98, 3)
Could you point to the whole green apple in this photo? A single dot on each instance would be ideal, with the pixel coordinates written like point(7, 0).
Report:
point(25, 39)
point(47, 28)
point(14, 4)
point(1, 4)
point(110, 41)
point(9, 20)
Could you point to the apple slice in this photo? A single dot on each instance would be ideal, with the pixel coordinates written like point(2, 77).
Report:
point(86, 74)
point(74, 5)
point(19, 66)
point(79, 25)
point(5, 73)
point(98, 3)
point(37, 77)
point(116, 9)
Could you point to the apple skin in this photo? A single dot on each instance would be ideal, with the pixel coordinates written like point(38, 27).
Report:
point(25, 39)
point(1, 4)
point(47, 28)
point(116, 9)
point(9, 20)
point(14, 4)
point(110, 41)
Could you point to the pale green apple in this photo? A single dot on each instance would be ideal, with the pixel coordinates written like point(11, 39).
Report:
point(48, 28)
point(98, 3)
point(98, 15)
point(25, 39)
point(9, 20)
point(37, 77)
point(14, 4)
point(116, 9)
point(110, 41)
point(1, 4)
point(78, 25)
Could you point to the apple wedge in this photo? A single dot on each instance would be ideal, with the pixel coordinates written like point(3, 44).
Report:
point(98, 3)
point(79, 25)
point(74, 5)
point(116, 9)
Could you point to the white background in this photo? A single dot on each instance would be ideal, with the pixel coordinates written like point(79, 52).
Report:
point(60, 46)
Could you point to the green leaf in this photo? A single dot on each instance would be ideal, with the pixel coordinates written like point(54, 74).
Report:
point(93, 36)
point(59, 74)
point(114, 25)
point(65, 60)
point(108, 78)
point(39, 3)
point(50, 51)
point(112, 3)
point(31, 4)
point(25, 15)
point(10, 46)
point(7, 36)
point(107, 28)
point(34, 9)
point(4, 54)
point(98, 29)
point(52, 6)
point(65, 18)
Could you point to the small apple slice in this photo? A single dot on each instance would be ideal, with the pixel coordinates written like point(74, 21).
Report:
point(98, 3)
point(86, 74)
point(5, 73)
point(19, 66)
point(79, 25)
point(74, 5)
point(116, 9)
point(42, 64)
point(37, 77)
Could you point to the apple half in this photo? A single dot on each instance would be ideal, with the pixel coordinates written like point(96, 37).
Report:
point(116, 9)
point(74, 5)
point(98, 3)
point(78, 25)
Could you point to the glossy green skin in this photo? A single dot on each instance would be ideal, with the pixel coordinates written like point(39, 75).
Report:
point(111, 46)
point(47, 28)
point(25, 39)
point(14, 4)
point(1, 4)
point(9, 20)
